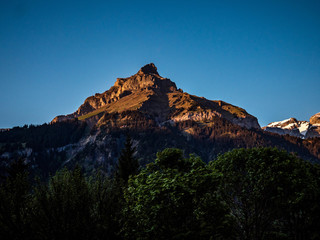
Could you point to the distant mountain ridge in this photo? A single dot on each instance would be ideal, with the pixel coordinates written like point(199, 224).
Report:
point(293, 127)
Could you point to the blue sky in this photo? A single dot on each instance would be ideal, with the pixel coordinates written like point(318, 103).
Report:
point(263, 56)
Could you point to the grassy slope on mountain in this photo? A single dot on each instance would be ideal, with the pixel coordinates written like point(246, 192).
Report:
point(131, 102)
point(176, 103)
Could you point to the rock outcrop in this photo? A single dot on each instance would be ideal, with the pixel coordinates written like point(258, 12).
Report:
point(314, 130)
point(146, 79)
point(63, 118)
point(315, 119)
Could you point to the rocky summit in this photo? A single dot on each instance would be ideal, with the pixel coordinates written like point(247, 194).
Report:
point(158, 99)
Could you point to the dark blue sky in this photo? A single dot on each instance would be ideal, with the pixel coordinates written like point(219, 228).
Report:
point(263, 56)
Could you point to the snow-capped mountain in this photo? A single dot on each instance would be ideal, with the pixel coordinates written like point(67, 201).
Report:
point(296, 128)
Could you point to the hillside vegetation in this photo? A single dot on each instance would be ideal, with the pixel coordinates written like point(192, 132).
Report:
point(259, 193)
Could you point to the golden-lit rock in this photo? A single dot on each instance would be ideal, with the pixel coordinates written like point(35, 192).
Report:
point(158, 98)
point(315, 119)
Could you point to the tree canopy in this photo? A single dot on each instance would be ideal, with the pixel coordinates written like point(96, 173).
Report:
point(270, 193)
point(175, 198)
point(259, 193)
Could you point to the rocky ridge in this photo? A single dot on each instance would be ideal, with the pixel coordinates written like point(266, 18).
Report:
point(293, 127)
point(158, 99)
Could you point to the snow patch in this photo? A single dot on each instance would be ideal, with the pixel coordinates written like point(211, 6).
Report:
point(277, 124)
point(290, 126)
point(301, 126)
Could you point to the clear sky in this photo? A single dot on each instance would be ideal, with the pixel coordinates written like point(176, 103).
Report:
point(263, 56)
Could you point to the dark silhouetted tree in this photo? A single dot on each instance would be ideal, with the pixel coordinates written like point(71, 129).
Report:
point(63, 207)
point(15, 202)
point(272, 194)
point(127, 164)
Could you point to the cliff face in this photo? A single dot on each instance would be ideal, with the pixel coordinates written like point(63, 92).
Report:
point(314, 130)
point(159, 99)
point(142, 83)
point(315, 119)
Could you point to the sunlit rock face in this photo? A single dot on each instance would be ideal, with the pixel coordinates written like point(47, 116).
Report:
point(158, 99)
point(145, 82)
point(315, 119)
point(62, 118)
point(314, 130)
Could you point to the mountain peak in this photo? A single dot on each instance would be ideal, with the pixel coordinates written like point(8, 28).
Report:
point(296, 128)
point(149, 69)
point(146, 78)
point(148, 93)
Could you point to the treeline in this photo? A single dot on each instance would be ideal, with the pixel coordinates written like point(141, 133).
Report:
point(259, 193)
point(39, 144)
point(43, 136)
point(225, 136)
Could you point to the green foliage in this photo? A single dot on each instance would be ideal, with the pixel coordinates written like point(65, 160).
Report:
point(106, 209)
point(71, 206)
point(173, 158)
point(269, 192)
point(175, 198)
point(260, 193)
point(62, 208)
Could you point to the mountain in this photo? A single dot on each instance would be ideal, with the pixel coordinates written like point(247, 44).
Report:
point(156, 114)
point(293, 127)
point(158, 99)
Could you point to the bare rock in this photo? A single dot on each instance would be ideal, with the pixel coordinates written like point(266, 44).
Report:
point(315, 119)
point(158, 98)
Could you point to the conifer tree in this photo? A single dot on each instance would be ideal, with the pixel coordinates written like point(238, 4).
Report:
point(127, 163)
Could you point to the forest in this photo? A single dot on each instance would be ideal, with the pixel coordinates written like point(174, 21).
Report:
point(257, 193)
point(50, 147)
